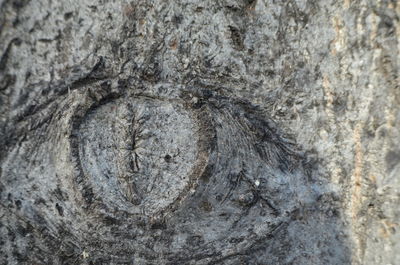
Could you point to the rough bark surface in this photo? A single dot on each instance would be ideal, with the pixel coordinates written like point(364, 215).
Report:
point(199, 132)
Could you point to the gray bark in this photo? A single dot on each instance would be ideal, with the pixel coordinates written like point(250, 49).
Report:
point(199, 132)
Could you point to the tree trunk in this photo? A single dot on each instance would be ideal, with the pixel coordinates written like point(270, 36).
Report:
point(199, 132)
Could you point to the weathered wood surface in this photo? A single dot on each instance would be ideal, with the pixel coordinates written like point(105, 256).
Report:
point(199, 132)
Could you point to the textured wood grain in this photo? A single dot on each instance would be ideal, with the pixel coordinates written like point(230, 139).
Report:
point(187, 132)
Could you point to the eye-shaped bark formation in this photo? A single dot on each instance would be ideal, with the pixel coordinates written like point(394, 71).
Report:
point(160, 177)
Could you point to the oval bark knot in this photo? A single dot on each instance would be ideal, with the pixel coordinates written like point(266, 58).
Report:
point(139, 150)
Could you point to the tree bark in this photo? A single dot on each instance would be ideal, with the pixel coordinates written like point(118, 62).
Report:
point(199, 132)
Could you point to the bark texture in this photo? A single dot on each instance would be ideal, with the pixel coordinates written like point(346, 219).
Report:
point(199, 132)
